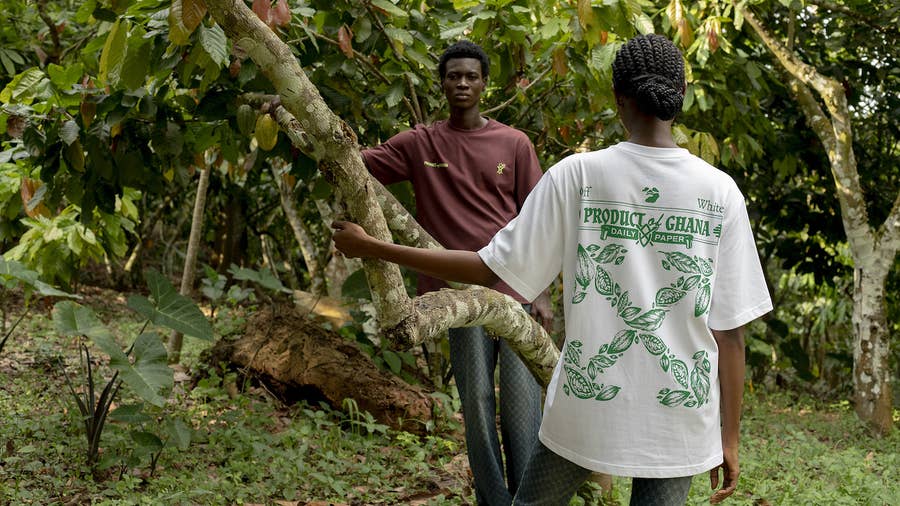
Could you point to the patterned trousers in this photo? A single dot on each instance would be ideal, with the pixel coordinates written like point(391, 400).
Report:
point(551, 480)
point(473, 357)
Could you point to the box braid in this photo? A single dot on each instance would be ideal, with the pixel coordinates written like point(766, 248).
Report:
point(650, 69)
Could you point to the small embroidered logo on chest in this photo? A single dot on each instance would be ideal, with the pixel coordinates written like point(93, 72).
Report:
point(500, 167)
point(436, 165)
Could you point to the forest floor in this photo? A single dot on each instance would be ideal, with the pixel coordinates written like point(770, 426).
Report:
point(247, 447)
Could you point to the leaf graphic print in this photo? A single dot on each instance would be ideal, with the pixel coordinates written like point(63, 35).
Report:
point(622, 341)
point(691, 282)
point(653, 344)
point(682, 262)
point(573, 352)
point(680, 372)
point(650, 321)
point(664, 363)
point(580, 386)
point(608, 393)
point(607, 255)
point(673, 398)
point(700, 384)
point(668, 296)
point(583, 269)
point(603, 282)
point(701, 304)
point(629, 312)
point(579, 297)
point(602, 361)
point(705, 266)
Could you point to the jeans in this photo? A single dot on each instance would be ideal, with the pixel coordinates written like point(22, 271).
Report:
point(552, 480)
point(473, 357)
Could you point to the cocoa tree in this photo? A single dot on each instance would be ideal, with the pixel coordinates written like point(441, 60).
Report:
point(326, 138)
point(873, 248)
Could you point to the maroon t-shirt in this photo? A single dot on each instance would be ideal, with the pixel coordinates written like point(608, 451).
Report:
point(468, 183)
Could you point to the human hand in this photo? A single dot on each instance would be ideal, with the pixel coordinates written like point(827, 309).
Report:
point(731, 469)
point(350, 239)
point(542, 311)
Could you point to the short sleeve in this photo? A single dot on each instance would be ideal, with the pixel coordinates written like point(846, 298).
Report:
point(527, 253)
point(528, 170)
point(739, 294)
point(389, 161)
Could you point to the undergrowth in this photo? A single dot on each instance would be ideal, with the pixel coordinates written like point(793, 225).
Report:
point(247, 448)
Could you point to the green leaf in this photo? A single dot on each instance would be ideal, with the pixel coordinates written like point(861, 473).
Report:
point(147, 440)
point(130, 413)
point(49, 291)
point(179, 433)
point(69, 132)
point(170, 309)
point(71, 319)
point(22, 84)
point(137, 61)
point(393, 361)
point(215, 44)
point(150, 374)
point(643, 23)
point(64, 77)
point(390, 8)
point(356, 286)
point(10, 269)
point(113, 53)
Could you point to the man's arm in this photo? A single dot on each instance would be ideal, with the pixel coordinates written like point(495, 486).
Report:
point(449, 265)
point(731, 380)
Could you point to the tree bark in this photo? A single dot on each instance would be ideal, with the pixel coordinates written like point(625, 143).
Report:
point(190, 258)
point(873, 251)
point(326, 138)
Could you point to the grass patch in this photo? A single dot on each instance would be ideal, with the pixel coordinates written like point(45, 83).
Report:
point(247, 448)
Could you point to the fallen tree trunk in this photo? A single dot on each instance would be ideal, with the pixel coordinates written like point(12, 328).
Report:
point(297, 359)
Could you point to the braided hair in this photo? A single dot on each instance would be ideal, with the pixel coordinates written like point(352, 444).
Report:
point(650, 69)
point(465, 49)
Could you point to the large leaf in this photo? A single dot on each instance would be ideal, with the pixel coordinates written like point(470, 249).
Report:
point(179, 433)
point(150, 374)
point(71, 319)
point(170, 309)
point(215, 44)
point(114, 53)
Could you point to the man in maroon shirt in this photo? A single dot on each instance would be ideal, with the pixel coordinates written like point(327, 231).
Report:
point(471, 175)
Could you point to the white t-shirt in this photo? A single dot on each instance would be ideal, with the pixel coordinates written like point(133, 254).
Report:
point(655, 248)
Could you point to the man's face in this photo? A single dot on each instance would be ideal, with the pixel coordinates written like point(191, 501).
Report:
point(463, 82)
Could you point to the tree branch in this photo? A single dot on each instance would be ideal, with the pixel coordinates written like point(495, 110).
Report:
point(836, 134)
point(329, 141)
point(417, 114)
point(519, 91)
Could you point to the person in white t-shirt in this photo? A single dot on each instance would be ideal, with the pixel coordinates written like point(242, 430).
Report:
point(661, 273)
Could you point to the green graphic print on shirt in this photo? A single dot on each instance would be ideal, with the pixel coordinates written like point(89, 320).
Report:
point(690, 388)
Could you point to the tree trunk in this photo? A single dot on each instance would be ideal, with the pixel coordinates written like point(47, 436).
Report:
point(873, 251)
point(190, 258)
point(295, 358)
point(871, 349)
point(327, 139)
